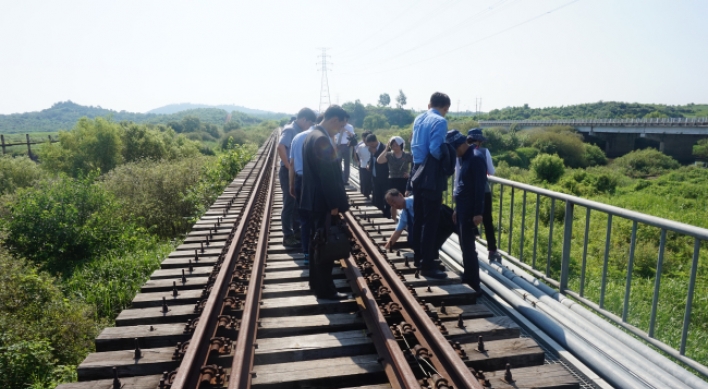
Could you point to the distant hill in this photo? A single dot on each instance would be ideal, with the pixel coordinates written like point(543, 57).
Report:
point(65, 114)
point(175, 108)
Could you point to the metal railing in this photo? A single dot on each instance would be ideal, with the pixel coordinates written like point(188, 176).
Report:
point(668, 122)
point(564, 264)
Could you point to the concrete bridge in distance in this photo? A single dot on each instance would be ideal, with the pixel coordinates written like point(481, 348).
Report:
point(673, 136)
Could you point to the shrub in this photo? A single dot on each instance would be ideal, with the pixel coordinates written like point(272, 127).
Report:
point(155, 192)
point(700, 149)
point(562, 141)
point(645, 163)
point(40, 329)
point(236, 137)
point(500, 139)
point(17, 172)
point(594, 155)
point(511, 158)
point(548, 168)
point(64, 220)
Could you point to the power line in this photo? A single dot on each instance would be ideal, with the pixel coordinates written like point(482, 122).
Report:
point(417, 24)
point(482, 15)
point(471, 43)
point(389, 23)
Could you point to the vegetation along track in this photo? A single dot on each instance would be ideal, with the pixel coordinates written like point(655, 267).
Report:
point(232, 308)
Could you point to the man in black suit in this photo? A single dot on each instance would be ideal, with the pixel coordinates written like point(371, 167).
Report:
point(379, 175)
point(323, 193)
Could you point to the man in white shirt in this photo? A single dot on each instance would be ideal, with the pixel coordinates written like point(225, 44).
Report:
point(362, 156)
point(345, 152)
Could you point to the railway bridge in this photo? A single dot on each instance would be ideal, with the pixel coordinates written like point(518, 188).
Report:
point(231, 306)
point(675, 137)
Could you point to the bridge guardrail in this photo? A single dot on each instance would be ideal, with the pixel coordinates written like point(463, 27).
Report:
point(664, 122)
point(515, 246)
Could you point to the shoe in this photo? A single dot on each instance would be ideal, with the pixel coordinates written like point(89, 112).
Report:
point(494, 256)
point(291, 241)
point(433, 273)
point(334, 296)
point(306, 262)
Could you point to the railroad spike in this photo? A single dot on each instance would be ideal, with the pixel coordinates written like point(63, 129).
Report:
point(138, 353)
point(196, 256)
point(443, 310)
point(201, 244)
point(116, 382)
point(428, 289)
point(417, 274)
point(507, 374)
point(191, 268)
point(165, 308)
point(184, 278)
point(480, 344)
point(460, 322)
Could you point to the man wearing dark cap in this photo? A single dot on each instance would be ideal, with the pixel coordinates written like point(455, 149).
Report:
point(475, 138)
point(428, 136)
point(469, 203)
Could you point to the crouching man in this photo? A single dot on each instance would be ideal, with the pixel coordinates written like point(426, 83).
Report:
point(469, 203)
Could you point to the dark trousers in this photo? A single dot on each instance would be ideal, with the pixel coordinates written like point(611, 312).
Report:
point(398, 183)
point(489, 223)
point(426, 207)
point(365, 181)
point(466, 231)
point(321, 281)
point(380, 188)
point(304, 217)
point(289, 212)
point(345, 154)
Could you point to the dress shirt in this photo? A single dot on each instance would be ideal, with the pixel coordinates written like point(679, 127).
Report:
point(429, 130)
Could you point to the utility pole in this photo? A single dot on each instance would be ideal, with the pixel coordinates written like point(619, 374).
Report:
point(324, 85)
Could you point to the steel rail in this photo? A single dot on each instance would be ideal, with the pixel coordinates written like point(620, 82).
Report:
point(242, 364)
point(398, 371)
point(186, 376)
point(446, 361)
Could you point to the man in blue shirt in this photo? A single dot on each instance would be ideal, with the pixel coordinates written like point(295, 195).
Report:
point(469, 203)
point(395, 199)
point(304, 119)
point(429, 131)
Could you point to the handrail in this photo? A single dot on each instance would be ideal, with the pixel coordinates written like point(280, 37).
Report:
point(666, 122)
point(698, 234)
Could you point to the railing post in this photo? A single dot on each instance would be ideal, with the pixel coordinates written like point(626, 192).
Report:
point(567, 237)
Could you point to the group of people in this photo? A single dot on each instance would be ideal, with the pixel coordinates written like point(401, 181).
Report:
point(313, 181)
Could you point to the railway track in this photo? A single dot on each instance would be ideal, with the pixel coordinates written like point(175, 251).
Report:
point(231, 308)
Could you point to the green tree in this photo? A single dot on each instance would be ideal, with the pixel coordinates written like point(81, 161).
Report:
point(375, 121)
point(191, 123)
point(90, 145)
point(384, 100)
point(401, 99)
point(357, 112)
point(141, 142)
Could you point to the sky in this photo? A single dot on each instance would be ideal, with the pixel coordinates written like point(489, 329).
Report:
point(264, 54)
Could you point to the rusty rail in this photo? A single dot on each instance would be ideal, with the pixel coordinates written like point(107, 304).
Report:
point(433, 346)
point(246, 342)
point(195, 357)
